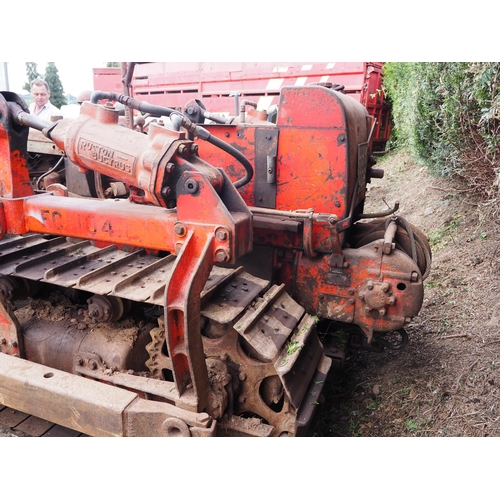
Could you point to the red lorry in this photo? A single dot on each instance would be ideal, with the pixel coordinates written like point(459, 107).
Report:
point(221, 85)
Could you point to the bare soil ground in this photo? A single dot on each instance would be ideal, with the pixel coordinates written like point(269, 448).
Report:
point(446, 382)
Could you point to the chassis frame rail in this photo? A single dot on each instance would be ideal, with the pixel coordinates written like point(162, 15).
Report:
point(92, 407)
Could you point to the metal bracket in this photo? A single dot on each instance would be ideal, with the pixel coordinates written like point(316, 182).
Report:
point(266, 149)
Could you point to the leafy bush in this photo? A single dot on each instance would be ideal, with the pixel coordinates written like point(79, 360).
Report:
point(448, 115)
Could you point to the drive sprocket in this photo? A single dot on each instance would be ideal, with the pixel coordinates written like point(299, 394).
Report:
point(158, 360)
point(250, 361)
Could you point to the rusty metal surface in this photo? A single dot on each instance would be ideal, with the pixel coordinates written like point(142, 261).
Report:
point(49, 265)
point(312, 395)
point(302, 355)
point(143, 280)
point(243, 382)
point(231, 295)
point(135, 276)
point(62, 398)
point(16, 249)
point(254, 381)
point(267, 326)
point(82, 404)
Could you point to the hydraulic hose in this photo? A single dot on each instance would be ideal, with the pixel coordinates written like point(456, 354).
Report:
point(414, 240)
point(23, 118)
point(142, 106)
point(235, 154)
point(198, 131)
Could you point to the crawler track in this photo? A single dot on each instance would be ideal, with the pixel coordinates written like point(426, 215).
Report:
point(264, 358)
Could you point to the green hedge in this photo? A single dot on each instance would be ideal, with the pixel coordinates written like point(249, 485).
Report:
point(448, 115)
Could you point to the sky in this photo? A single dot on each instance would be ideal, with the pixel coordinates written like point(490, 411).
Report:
point(75, 76)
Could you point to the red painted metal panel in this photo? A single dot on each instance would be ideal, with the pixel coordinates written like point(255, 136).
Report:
point(108, 79)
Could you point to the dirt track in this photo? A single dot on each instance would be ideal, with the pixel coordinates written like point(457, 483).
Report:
point(446, 381)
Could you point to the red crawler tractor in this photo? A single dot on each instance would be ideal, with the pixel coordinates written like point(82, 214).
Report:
point(193, 288)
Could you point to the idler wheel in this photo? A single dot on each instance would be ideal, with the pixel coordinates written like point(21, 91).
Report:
point(107, 309)
point(17, 288)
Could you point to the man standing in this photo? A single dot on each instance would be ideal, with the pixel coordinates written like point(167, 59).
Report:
point(41, 106)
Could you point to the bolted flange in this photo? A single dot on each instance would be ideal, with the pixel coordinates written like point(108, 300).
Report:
point(377, 296)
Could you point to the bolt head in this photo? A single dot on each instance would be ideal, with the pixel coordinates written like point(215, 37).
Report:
point(191, 186)
point(221, 256)
point(221, 235)
point(179, 229)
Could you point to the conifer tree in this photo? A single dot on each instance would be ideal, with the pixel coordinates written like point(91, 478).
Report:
point(57, 97)
point(31, 73)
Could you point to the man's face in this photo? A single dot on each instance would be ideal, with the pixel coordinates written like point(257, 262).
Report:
point(40, 95)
